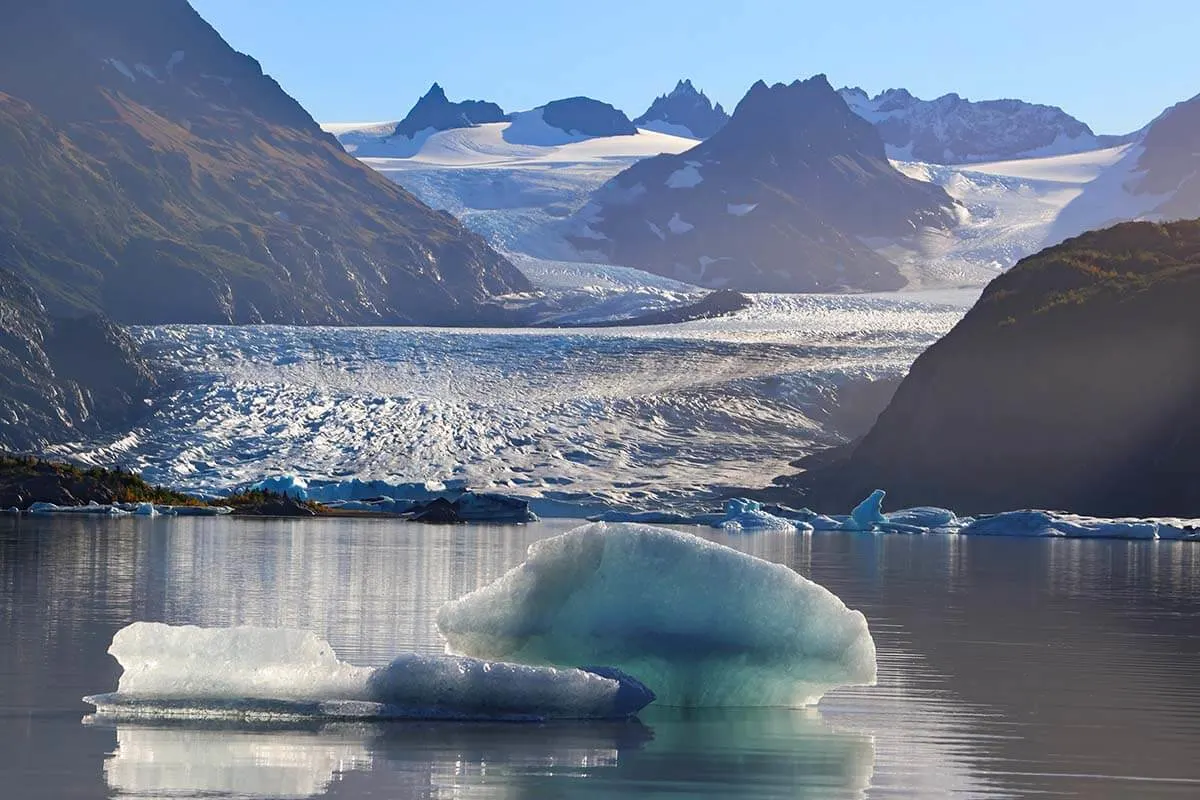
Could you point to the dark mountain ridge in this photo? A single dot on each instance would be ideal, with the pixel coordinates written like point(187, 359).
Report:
point(435, 111)
point(62, 376)
point(587, 117)
point(149, 171)
point(1072, 385)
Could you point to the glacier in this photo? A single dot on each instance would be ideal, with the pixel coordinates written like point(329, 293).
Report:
point(247, 672)
point(699, 623)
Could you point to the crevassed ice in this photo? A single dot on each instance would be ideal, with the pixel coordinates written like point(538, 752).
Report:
point(699, 623)
point(172, 670)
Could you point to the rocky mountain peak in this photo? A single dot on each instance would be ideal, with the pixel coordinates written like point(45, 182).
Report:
point(434, 111)
point(803, 118)
point(776, 200)
point(686, 111)
point(952, 129)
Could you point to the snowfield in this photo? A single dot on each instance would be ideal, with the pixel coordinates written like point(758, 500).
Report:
point(1017, 208)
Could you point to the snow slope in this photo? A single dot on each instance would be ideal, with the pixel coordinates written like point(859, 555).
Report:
point(514, 182)
point(1019, 207)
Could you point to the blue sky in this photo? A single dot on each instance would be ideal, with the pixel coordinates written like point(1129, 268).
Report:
point(1113, 65)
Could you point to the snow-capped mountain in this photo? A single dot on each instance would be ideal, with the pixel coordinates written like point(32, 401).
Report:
point(684, 112)
point(1157, 178)
point(434, 111)
point(954, 130)
point(779, 199)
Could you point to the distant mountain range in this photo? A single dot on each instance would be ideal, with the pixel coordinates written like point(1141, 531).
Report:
point(953, 130)
point(153, 173)
point(779, 199)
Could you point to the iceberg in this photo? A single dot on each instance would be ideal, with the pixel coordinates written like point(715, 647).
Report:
point(749, 515)
point(699, 623)
point(868, 514)
point(272, 673)
point(1052, 524)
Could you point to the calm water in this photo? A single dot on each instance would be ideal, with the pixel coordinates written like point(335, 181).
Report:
point(1008, 668)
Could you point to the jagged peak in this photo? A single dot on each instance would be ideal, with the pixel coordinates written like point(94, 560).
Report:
point(685, 86)
point(436, 92)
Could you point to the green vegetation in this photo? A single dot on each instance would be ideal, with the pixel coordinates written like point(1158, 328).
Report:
point(85, 483)
point(264, 497)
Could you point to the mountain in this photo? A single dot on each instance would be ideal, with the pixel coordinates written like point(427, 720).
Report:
point(778, 200)
point(954, 130)
point(62, 376)
point(435, 112)
point(587, 117)
point(1157, 178)
point(1169, 161)
point(684, 112)
point(149, 171)
point(1072, 385)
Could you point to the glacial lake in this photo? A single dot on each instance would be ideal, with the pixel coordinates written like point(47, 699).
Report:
point(1008, 668)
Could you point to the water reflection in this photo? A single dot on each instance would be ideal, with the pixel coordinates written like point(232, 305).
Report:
point(1007, 667)
point(750, 753)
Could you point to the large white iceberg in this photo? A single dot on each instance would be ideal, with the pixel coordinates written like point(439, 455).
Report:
point(189, 671)
point(699, 623)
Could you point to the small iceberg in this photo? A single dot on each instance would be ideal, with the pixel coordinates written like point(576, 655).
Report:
point(148, 510)
point(699, 623)
point(1052, 524)
point(749, 515)
point(269, 673)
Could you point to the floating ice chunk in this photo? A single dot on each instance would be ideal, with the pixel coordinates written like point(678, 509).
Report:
point(13, 510)
point(867, 514)
point(198, 511)
point(740, 209)
point(178, 671)
point(1053, 524)
point(145, 510)
point(490, 507)
point(925, 517)
point(92, 508)
point(1186, 530)
point(748, 515)
point(699, 623)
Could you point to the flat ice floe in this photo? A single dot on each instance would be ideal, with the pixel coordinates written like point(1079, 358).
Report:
point(699, 623)
point(277, 673)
